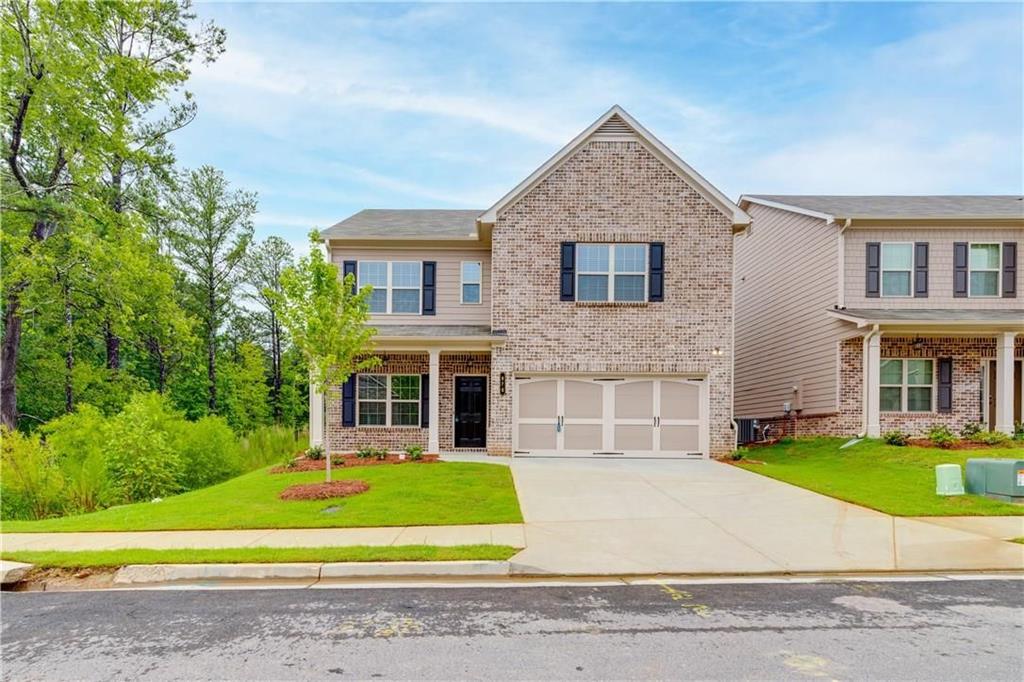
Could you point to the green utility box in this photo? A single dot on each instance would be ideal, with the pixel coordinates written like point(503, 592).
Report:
point(948, 480)
point(1000, 479)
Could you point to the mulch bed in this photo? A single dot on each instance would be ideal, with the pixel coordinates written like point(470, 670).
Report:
point(324, 491)
point(962, 444)
point(346, 460)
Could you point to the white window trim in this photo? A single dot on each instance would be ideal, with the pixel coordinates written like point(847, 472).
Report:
point(610, 272)
point(903, 386)
point(388, 288)
point(998, 270)
point(388, 400)
point(463, 282)
point(882, 270)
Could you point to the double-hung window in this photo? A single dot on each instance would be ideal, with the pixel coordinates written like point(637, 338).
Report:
point(897, 268)
point(906, 385)
point(396, 285)
point(611, 272)
point(388, 399)
point(471, 280)
point(984, 263)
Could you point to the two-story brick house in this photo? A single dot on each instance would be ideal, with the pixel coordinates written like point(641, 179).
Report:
point(588, 312)
point(864, 314)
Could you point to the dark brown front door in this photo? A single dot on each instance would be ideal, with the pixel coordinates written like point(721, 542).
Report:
point(470, 412)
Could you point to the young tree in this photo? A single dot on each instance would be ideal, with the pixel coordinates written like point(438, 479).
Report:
point(262, 268)
point(210, 230)
point(325, 318)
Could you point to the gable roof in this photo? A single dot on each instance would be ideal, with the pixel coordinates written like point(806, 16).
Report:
point(390, 223)
point(873, 207)
point(617, 124)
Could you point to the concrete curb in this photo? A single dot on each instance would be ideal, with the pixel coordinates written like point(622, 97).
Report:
point(13, 571)
point(139, 574)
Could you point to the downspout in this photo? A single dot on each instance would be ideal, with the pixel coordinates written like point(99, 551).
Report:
point(864, 389)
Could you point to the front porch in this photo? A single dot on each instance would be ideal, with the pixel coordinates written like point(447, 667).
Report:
point(431, 390)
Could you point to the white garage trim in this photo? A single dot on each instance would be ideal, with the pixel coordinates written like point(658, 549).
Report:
point(566, 415)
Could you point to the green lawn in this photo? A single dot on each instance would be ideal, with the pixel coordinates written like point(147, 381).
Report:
point(262, 555)
point(895, 480)
point(440, 494)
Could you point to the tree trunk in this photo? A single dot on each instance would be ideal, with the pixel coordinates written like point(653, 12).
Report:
point(69, 353)
point(275, 363)
point(113, 342)
point(9, 362)
point(211, 344)
point(157, 352)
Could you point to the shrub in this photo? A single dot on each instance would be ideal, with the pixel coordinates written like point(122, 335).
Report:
point(738, 454)
point(970, 429)
point(370, 452)
point(1018, 431)
point(896, 438)
point(991, 438)
point(315, 452)
point(30, 482)
point(414, 452)
point(941, 436)
point(79, 442)
point(208, 451)
point(142, 462)
point(269, 445)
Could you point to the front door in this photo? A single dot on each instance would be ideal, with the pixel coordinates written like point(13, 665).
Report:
point(470, 412)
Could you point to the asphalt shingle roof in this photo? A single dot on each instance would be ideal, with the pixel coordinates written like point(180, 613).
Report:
point(875, 207)
point(408, 223)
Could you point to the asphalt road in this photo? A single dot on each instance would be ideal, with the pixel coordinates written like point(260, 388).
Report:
point(937, 630)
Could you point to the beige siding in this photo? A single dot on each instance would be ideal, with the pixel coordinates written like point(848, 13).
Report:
point(940, 265)
point(450, 309)
point(786, 280)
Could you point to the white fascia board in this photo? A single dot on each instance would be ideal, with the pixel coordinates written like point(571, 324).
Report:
point(688, 174)
point(827, 217)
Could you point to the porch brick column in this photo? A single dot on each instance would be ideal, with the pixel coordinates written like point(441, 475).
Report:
point(872, 367)
point(433, 441)
point(1004, 382)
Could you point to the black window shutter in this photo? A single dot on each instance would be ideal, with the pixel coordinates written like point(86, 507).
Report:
point(960, 269)
point(945, 402)
point(425, 400)
point(656, 266)
point(1009, 269)
point(921, 270)
point(568, 280)
point(349, 268)
point(429, 287)
point(873, 273)
point(348, 402)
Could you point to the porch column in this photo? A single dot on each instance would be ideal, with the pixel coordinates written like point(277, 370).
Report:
point(433, 441)
point(1004, 382)
point(872, 367)
point(316, 416)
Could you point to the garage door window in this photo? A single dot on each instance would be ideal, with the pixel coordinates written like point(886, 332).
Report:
point(611, 272)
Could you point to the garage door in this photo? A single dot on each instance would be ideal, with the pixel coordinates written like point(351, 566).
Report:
point(609, 416)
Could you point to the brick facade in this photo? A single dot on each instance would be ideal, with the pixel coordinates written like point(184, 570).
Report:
point(613, 191)
point(967, 354)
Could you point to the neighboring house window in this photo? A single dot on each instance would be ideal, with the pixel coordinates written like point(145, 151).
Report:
point(906, 385)
point(985, 265)
point(396, 285)
point(388, 400)
point(611, 272)
point(897, 268)
point(471, 281)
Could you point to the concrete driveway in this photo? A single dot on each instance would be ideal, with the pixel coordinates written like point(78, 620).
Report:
point(592, 517)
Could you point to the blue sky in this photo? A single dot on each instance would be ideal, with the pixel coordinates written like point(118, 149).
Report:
point(324, 109)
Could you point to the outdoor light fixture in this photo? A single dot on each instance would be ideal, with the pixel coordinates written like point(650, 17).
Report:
point(501, 383)
point(716, 351)
point(919, 344)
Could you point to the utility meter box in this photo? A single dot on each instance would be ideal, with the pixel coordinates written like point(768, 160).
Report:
point(1000, 479)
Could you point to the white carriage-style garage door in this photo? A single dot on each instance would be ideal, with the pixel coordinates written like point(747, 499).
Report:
point(610, 416)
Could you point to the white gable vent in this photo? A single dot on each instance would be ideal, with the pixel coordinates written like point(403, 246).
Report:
point(614, 126)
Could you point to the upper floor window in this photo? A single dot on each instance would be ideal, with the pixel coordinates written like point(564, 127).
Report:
point(388, 399)
point(985, 263)
point(906, 385)
point(396, 285)
point(471, 280)
point(611, 272)
point(897, 268)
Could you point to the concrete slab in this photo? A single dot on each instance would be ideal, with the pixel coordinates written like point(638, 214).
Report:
point(1001, 527)
point(12, 571)
point(161, 573)
point(928, 546)
point(398, 569)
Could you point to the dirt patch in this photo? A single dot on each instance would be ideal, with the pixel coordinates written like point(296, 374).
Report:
point(61, 579)
point(962, 444)
point(324, 491)
point(347, 460)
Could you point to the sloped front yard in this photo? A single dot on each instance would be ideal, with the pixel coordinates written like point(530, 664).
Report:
point(894, 480)
point(439, 494)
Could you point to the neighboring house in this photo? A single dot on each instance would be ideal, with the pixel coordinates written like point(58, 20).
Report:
point(864, 314)
point(588, 312)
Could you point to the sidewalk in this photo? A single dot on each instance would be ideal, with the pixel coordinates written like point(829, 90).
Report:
point(511, 534)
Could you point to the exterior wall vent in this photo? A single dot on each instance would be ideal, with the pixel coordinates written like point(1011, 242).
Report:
point(614, 126)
